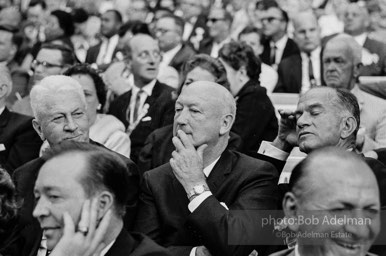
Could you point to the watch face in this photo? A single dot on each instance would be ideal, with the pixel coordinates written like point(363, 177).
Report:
point(199, 189)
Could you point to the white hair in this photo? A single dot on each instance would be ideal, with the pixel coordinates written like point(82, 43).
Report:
point(5, 78)
point(351, 45)
point(49, 86)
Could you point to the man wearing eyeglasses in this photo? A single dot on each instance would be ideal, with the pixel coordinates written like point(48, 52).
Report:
point(149, 104)
point(278, 46)
point(219, 24)
point(169, 30)
point(52, 59)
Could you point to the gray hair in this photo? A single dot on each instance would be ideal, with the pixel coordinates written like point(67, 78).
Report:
point(49, 86)
point(351, 45)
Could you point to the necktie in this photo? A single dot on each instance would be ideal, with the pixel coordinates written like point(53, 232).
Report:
point(311, 71)
point(272, 56)
point(137, 104)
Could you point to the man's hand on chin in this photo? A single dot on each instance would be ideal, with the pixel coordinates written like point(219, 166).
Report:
point(187, 162)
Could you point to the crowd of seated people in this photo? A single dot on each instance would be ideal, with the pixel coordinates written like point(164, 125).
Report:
point(146, 127)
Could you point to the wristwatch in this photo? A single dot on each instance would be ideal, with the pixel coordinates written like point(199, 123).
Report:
point(198, 190)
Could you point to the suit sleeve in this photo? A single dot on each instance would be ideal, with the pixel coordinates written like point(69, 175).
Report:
point(25, 147)
point(379, 140)
point(132, 199)
point(234, 231)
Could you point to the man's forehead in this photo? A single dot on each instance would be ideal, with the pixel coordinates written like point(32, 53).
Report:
point(143, 43)
point(49, 54)
point(320, 96)
point(335, 48)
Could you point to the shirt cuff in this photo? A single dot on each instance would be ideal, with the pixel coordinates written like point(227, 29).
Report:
point(198, 200)
point(193, 251)
point(267, 149)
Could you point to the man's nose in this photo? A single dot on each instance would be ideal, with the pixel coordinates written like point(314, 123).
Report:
point(181, 117)
point(303, 120)
point(40, 209)
point(70, 125)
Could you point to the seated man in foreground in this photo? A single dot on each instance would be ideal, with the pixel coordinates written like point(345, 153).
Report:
point(191, 204)
point(83, 184)
point(332, 185)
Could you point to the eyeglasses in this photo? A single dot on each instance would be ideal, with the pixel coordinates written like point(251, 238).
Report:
point(214, 20)
point(45, 64)
point(270, 19)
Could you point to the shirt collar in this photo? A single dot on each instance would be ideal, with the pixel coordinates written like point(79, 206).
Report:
point(207, 170)
point(148, 89)
point(314, 54)
point(281, 43)
point(174, 50)
point(361, 39)
point(107, 248)
point(2, 110)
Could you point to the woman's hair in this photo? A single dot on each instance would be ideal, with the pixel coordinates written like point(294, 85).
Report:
point(9, 203)
point(239, 54)
point(204, 61)
point(86, 69)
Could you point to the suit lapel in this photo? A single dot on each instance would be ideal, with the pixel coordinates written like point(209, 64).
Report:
point(220, 171)
point(154, 94)
point(123, 245)
point(4, 119)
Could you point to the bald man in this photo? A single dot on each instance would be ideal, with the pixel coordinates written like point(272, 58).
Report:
point(149, 104)
point(332, 184)
point(356, 23)
point(185, 204)
point(299, 73)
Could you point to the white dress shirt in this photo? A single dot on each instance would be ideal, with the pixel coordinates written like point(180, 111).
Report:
point(315, 59)
point(217, 46)
point(169, 55)
point(360, 39)
point(148, 89)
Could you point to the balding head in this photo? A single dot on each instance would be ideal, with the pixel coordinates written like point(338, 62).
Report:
point(205, 111)
point(342, 61)
point(329, 185)
point(307, 31)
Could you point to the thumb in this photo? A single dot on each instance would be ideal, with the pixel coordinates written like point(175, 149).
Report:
point(200, 150)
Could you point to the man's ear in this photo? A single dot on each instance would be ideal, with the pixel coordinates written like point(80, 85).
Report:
point(38, 129)
point(348, 126)
point(4, 89)
point(290, 209)
point(226, 123)
point(357, 70)
point(105, 202)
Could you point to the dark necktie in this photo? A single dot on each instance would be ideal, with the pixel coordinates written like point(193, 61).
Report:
point(137, 104)
point(272, 56)
point(311, 71)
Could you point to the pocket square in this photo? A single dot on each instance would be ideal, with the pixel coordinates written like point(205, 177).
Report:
point(146, 119)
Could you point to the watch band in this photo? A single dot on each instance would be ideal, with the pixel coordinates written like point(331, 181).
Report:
point(197, 190)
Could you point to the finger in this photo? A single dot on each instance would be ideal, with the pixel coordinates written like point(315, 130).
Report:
point(177, 143)
point(69, 226)
point(200, 150)
point(101, 231)
point(85, 215)
point(184, 139)
point(93, 217)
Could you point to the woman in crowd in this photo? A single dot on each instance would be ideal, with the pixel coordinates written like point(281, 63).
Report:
point(104, 129)
point(255, 116)
point(159, 147)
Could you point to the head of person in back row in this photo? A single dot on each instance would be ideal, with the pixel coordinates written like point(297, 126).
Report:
point(306, 31)
point(338, 191)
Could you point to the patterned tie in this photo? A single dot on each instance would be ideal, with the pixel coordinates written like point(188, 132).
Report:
point(311, 71)
point(137, 104)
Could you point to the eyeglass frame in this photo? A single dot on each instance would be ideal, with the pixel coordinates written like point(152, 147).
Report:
point(35, 63)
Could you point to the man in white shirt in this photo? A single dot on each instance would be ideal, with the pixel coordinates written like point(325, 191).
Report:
point(168, 31)
point(191, 205)
point(299, 73)
point(278, 46)
point(219, 24)
point(80, 188)
point(333, 202)
point(103, 53)
point(356, 24)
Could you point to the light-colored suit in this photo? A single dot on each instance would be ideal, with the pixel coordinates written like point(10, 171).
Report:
point(373, 119)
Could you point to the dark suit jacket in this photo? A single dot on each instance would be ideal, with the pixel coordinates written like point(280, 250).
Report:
point(135, 244)
point(290, 48)
point(290, 74)
point(239, 181)
point(206, 46)
point(377, 68)
point(185, 53)
point(25, 177)
point(198, 27)
point(161, 112)
point(255, 117)
point(158, 148)
point(20, 142)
